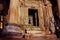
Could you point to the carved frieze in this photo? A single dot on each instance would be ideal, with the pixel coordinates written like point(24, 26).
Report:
point(32, 4)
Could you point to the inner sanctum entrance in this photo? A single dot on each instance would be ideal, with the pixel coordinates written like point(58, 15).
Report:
point(33, 17)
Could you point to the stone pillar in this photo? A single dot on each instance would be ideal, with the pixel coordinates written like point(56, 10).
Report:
point(41, 18)
point(45, 17)
point(51, 17)
point(48, 17)
point(13, 18)
point(13, 12)
point(47, 20)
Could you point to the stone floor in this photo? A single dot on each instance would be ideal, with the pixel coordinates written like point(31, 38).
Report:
point(36, 38)
point(25, 39)
point(18, 37)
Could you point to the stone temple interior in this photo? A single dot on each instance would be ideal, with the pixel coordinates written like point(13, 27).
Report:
point(30, 18)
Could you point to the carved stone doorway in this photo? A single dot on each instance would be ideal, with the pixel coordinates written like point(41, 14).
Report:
point(33, 17)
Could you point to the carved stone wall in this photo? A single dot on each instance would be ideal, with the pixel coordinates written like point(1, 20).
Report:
point(48, 17)
point(18, 13)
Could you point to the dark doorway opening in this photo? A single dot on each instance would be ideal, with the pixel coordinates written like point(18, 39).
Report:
point(33, 17)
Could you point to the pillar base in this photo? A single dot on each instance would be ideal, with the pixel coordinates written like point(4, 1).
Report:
point(13, 31)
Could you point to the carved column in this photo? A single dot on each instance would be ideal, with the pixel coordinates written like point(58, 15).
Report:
point(13, 12)
point(46, 20)
point(51, 17)
point(41, 18)
point(45, 15)
point(13, 18)
point(48, 17)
